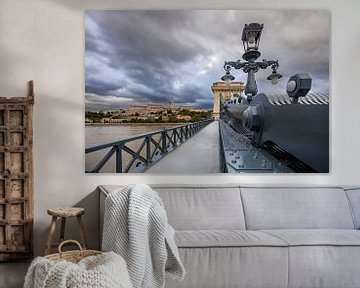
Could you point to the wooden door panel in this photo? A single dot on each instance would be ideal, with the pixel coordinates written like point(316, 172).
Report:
point(17, 188)
point(16, 138)
point(2, 116)
point(2, 162)
point(16, 162)
point(2, 189)
point(2, 138)
point(16, 183)
point(2, 211)
point(16, 118)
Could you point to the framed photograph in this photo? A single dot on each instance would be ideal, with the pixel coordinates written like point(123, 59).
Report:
point(207, 91)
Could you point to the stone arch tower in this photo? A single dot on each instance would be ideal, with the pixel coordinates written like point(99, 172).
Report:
point(221, 89)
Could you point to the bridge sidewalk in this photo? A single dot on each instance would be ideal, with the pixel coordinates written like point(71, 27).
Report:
point(200, 154)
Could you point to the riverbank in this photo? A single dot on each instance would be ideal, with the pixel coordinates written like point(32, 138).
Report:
point(135, 124)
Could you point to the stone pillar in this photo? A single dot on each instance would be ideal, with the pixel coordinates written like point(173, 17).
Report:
point(216, 108)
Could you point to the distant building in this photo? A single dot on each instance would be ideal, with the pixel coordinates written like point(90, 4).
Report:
point(111, 120)
point(186, 118)
point(200, 110)
point(143, 109)
point(150, 111)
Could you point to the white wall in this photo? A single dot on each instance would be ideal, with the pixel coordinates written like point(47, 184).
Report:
point(43, 40)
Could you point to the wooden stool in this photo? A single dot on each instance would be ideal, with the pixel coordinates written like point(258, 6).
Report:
point(64, 213)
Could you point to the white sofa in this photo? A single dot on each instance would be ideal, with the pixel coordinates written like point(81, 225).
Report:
point(234, 236)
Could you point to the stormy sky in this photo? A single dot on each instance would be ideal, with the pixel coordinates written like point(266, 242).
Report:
point(134, 57)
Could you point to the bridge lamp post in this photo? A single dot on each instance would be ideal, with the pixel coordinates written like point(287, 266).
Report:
point(251, 38)
point(227, 78)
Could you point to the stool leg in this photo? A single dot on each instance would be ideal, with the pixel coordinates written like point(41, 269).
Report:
point(82, 232)
point(62, 231)
point(51, 234)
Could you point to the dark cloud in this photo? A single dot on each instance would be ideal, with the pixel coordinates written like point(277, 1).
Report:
point(157, 56)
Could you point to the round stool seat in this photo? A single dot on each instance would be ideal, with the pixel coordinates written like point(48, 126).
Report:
point(66, 211)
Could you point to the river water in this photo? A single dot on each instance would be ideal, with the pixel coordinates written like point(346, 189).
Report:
point(99, 134)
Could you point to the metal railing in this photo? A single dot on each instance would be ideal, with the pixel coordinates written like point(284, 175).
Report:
point(150, 147)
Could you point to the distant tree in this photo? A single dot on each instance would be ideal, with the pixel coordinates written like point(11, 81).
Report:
point(173, 119)
point(184, 112)
point(96, 117)
point(195, 118)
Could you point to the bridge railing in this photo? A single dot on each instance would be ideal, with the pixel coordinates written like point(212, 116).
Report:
point(145, 149)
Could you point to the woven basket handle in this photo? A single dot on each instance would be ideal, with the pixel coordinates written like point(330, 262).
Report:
point(69, 241)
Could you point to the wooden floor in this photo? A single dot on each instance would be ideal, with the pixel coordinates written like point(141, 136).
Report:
point(200, 154)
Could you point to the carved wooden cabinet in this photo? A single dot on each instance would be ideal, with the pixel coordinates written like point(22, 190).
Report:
point(16, 177)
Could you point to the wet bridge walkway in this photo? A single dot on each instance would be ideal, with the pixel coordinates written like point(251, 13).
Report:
point(200, 154)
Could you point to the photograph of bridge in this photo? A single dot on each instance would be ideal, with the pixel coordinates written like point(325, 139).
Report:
point(196, 91)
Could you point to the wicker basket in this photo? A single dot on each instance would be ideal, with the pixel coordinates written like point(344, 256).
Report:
point(72, 256)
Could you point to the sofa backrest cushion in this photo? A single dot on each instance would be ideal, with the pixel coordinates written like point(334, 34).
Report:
point(296, 208)
point(354, 198)
point(203, 208)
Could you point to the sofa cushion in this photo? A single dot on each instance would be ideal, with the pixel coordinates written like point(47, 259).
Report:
point(324, 266)
point(191, 207)
point(296, 208)
point(217, 267)
point(317, 237)
point(226, 238)
point(203, 208)
point(328, 258)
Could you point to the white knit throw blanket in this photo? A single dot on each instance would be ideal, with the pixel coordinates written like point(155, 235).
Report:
point(136, 227)
point(103, 271)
